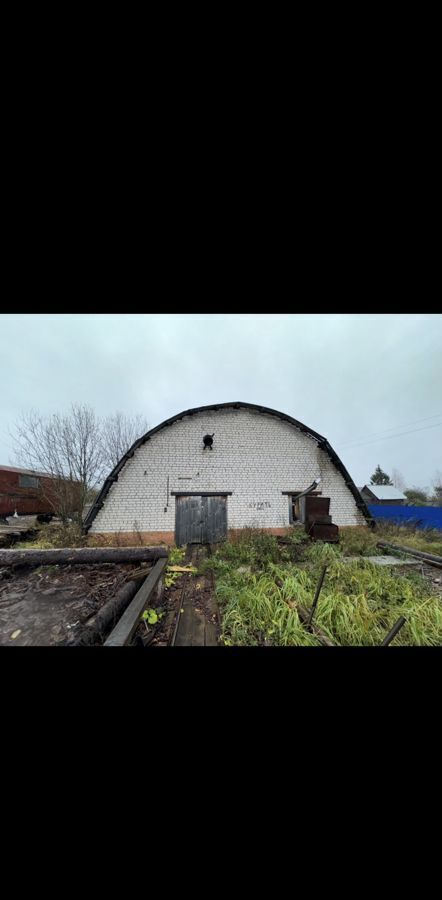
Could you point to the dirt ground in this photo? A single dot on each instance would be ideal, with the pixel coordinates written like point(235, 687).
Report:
point(433, 575)
point(160, 635)
point(194, 595)
point(50, 605)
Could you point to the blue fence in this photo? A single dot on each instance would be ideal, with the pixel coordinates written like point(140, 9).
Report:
point(421, 516)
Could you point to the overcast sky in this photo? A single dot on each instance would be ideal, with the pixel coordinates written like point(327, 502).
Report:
point(348, 377)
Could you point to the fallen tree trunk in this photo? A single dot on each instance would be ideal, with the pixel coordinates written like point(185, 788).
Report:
point(96, 628)
point(70, 556)
point(430, 557)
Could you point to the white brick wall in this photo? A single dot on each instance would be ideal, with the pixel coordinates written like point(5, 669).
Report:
point(255, 455)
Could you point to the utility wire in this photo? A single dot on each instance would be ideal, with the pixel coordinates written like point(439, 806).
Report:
point(384, 430)
point(389, 436)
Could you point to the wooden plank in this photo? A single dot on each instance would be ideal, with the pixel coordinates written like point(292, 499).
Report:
point(198, 629)
point(201, 493)
point(127, 625)
point(216, 520)
point(69, 556)
point(295, 493)
point(210, 639)
point(184, 633)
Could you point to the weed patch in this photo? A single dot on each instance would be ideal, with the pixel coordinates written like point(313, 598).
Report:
point(427, 540)
point(50, 537)
point(259, 597)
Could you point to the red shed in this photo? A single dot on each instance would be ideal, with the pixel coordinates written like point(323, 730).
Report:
point(27, 492)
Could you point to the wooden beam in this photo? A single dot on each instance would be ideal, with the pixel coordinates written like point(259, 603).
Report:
point(311, 494)
point(128, 623)
point(201, 493)
point(80, 555)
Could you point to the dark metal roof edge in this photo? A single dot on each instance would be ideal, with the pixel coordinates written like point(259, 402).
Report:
point(322, 441)
point(201, 493)
point(360, 502)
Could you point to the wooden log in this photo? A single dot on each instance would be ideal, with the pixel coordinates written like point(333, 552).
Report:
point(107, 617)
point(127, 625)
point(430, 557)
point(320, 634)
point(88, 555)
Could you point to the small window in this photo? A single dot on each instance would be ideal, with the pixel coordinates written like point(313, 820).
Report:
point(29, 481)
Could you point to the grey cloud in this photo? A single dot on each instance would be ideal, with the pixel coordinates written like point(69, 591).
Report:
point(346, 376)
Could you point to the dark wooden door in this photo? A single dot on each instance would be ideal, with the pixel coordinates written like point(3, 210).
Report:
point(200, 520)
point(215, 519)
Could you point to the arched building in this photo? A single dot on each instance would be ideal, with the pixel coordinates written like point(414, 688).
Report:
point(172, 486)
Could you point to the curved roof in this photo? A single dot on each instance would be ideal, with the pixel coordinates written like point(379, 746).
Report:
point(321, 441)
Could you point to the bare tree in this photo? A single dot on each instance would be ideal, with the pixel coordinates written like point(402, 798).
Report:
point(67, 447)
point(398, 480)
point(118, 433)
point(417, 496)
point(76, 448)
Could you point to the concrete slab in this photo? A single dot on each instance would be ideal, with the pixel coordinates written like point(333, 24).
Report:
point(385, 560)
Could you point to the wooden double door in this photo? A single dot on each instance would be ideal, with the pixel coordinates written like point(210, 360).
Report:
point(200, 519)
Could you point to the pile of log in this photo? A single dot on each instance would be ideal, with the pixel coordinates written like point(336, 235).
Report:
point(112, 613)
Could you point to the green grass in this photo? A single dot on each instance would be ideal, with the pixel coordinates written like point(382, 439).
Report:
point(358, 604)
point(50, 537)
point(361, 541)
point(251, 547)
point(255, 611)
point(176, 556)
point(428, 540)
point(358, 540)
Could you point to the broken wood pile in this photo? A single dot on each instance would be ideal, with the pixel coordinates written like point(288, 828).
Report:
point(127, 625)
point(43, 621)
point(11, 532)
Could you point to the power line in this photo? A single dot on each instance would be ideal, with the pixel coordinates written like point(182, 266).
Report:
point(393, 428)
point(389, 436)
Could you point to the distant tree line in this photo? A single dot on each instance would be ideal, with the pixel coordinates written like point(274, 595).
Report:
point(416, 496)
point(78, 449)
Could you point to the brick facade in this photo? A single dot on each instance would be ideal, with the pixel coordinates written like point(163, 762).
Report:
point(255, 455)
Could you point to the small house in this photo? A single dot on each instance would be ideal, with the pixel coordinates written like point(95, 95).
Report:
point(383, 494)
point(28, 493)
